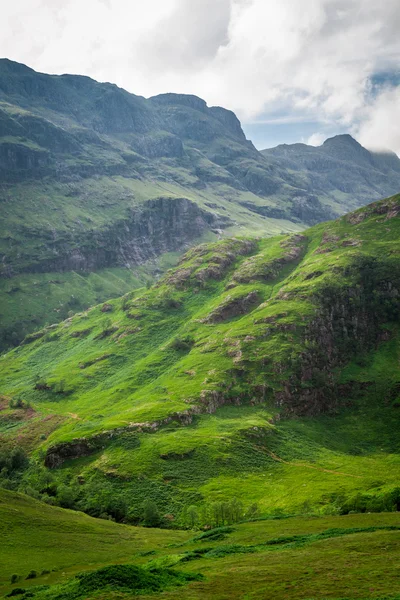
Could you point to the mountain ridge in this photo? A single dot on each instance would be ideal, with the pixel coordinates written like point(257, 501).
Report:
point(91, 175)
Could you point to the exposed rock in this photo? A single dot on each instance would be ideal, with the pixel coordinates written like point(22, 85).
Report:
point(257, 268)
point(106, 307)
point(347, 323)
point(233, 307)
point(218, 262)
point(161, 225)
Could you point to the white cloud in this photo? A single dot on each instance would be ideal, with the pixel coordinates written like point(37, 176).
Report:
point(313, 59)
point(316, 139)
point(379, 128)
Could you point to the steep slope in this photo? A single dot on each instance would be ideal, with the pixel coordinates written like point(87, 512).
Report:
point(95, 179)
point(263, 369)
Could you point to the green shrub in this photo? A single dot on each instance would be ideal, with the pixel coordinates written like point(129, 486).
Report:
point(151, 516)
point(15, 578)
point(182, 343)
point(31, 575)
point(12, 459)
point(16, 592)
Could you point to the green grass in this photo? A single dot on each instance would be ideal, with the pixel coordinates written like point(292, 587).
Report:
point(353, 556)
point(197, 381)
point(31, 300)
point(39, 537)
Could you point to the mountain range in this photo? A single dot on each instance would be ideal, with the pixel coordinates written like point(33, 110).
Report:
point(200, 350)
point(101, 190)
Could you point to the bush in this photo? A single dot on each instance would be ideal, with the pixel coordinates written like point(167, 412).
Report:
point(31, 575)
point(18, 403)
point(151, 516)
point(16, 592)
point(182, 344)
point(15, 578)
point(12, 460)
point(66, 496)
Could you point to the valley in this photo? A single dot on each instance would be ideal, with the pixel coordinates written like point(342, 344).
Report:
point(331, 557)
point(199, 353)
point(100, 183)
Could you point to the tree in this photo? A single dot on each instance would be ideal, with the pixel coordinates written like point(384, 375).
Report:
point(217, 513)
point(236, 510)
point(252, 511)
point(151, 516)
point(66, 496)
point(192, 516)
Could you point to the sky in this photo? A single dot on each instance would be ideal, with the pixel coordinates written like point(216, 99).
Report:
point(292, 70)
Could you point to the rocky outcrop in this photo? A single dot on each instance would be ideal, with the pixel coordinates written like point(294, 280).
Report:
point(209, 402)
point(258, 268)
point(219, 260)
point(233, 307)
point(347, 324)
point(22, 158)
point(161, 225)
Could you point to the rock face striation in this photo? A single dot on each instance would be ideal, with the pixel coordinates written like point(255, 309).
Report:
point(161, 225)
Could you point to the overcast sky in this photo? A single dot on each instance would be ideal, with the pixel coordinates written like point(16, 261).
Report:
point(292, 70)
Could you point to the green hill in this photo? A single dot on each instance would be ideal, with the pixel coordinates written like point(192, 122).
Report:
point(97, 184)
point(259, 372)
point(70, 555)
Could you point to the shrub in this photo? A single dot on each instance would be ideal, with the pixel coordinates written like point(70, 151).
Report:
point(31, 575)
point(66, 496)
point(15, 578)
point(182, 344)
point(16, 592)
point(12, 460)
point(151, 516)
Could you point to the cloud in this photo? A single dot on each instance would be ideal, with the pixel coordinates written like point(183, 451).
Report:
point(316, 139)
point(315, 61)
point(379, 127)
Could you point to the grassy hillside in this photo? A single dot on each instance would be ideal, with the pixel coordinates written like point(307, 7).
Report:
point(96, 180)
point(353, 556)
point(259, 371)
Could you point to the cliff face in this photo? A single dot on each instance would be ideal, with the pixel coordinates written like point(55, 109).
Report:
point(348, 324)
point(159, 226)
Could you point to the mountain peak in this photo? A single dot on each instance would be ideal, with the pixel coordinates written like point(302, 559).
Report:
point(182, 99)
point(342, 138)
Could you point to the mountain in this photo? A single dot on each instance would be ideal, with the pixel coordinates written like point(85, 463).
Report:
point(340, 168)
point(99, 558)
point(258, 370)
point(101, 190)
